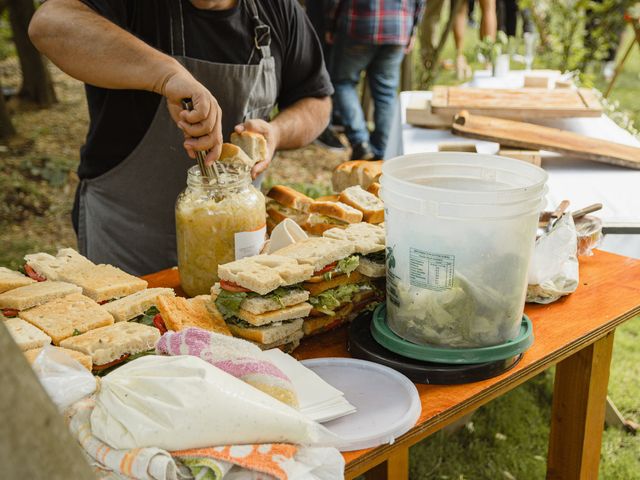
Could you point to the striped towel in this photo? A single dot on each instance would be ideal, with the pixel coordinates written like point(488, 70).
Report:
point(237, 357)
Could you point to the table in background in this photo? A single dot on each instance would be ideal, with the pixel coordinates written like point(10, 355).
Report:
point(582, 182)
point(575, 333)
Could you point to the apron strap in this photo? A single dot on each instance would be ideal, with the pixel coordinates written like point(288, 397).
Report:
point(177, 28)
point(261, 31)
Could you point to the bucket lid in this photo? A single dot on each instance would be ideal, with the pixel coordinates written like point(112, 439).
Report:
point(431, 353)
point(387, 403)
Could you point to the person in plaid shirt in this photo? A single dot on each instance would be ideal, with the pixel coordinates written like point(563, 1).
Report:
point(371, 36)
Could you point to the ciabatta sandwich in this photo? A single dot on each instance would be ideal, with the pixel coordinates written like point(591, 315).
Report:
point(260, 298)
point(137, 305)
point(326, 215)
point(113, 345)
point(42, 266)
point(10, 279)
point(14, 301)
point(26, 335)
point(179, 313)
point(285, 202)
point(67, 316)
point(371, 206)
point(369, 243)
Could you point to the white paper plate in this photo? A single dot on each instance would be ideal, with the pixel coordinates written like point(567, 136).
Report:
point(387, 402)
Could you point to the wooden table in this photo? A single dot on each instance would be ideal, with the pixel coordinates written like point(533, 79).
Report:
point(575, 333)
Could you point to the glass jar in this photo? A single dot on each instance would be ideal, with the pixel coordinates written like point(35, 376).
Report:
point(217, 221)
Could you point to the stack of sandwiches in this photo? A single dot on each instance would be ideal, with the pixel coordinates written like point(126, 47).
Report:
point(337, 290)
point(369, 243)
point(261, 299)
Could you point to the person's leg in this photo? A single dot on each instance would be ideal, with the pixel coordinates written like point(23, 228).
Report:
point(459, 28)
point(511, 17)
point(488, 25)
point(349, 60)
point(384, 78)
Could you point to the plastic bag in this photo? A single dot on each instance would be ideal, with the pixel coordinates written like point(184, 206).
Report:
point(183, 402)
point(63, 378)
point(554, 266)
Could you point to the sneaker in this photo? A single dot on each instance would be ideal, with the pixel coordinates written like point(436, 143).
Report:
point(329, 139)
point(361, 151)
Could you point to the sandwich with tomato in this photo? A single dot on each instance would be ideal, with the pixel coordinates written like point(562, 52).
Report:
point(337, 291)
point(17, 300)
point(114, 345)
point(261, 299)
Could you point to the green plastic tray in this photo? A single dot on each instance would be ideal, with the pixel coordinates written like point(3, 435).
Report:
point(430, 353)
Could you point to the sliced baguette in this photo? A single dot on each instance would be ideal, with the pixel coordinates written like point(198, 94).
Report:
point(251, 143)
point(319, 228)
point(264, 273)
point(35, 294)
point(81, 358)
point(318, 252)
point(338, 210)
point(289, 313)
point(374, 188)
point(259, 305)
point(371, 269)
point(103, 282)
point(279, 213)
point(10, 279)
point(317, 288)
point(234, 155)
point(26, 335)
point(63, 317)
point(179, 313)
point(131, 306)
point(366, 238)
point(359, 172)
point(371, 206)
point(48, 266)
point(290, 198)
point(267, 334)
point(106, 344)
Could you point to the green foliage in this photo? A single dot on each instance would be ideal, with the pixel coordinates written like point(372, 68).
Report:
point(54, 170)
point(491, 49)
point(7, 48)
point(20, 199)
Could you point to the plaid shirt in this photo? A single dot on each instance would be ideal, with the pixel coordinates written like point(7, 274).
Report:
point(375, 22)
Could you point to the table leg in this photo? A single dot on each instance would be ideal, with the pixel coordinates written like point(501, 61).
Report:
point(578, 412)
point(395, 468)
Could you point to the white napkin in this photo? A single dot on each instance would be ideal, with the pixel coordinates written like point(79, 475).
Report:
point(284, 234)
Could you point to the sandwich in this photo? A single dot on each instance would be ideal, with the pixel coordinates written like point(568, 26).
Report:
point(10, 279)
point(14, 301)
point(285, 202)
point(261, 299)
point(42, 266)
point(179, 313)
point(326, 215)
point(65, 317)
point(26, 335)
point(251, 143)
point(371, 206)
point(369, 243)
point(235, 156)
point(114, 345)
point(359, 172)
point(102, 282)
point(81, 358)
point(336, 289)
point(139, 306)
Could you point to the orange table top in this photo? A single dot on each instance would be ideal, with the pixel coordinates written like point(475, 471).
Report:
point(609, 294)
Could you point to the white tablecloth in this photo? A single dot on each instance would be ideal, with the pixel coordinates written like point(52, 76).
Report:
point(581, 182)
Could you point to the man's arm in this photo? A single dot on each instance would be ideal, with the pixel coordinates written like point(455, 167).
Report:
point(294, 127)
point(94, 50)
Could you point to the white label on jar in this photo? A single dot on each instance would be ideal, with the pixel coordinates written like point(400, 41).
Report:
point(248, 244)
point(433, 271)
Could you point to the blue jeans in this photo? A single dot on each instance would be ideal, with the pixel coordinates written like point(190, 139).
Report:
point(382, 64)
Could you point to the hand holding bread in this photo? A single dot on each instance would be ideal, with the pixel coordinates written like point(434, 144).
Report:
point(247, 136)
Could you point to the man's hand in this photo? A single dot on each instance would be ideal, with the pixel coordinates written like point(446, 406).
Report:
point(202, 127)
point(270, 133)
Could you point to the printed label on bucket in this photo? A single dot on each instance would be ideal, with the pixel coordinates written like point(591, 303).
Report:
point(433, 271)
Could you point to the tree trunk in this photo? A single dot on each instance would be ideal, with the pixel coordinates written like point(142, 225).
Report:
point(37, 85)
point(6, 127)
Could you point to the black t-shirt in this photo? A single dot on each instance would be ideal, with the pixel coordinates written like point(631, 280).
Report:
point(120, 118)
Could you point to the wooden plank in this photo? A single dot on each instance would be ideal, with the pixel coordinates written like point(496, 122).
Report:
point(529, 156)
point(396, 467)
point(536, 137)
point(520, 103)
point(608, 295)
point(419, 113)
point(578, 411)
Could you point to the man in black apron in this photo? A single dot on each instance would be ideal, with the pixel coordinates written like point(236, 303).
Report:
point(236, 59)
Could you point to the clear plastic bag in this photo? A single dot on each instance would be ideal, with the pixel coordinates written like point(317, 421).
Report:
point(553, 272)
point(63, 378)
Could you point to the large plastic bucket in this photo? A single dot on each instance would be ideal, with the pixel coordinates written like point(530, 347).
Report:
point(460, 233)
